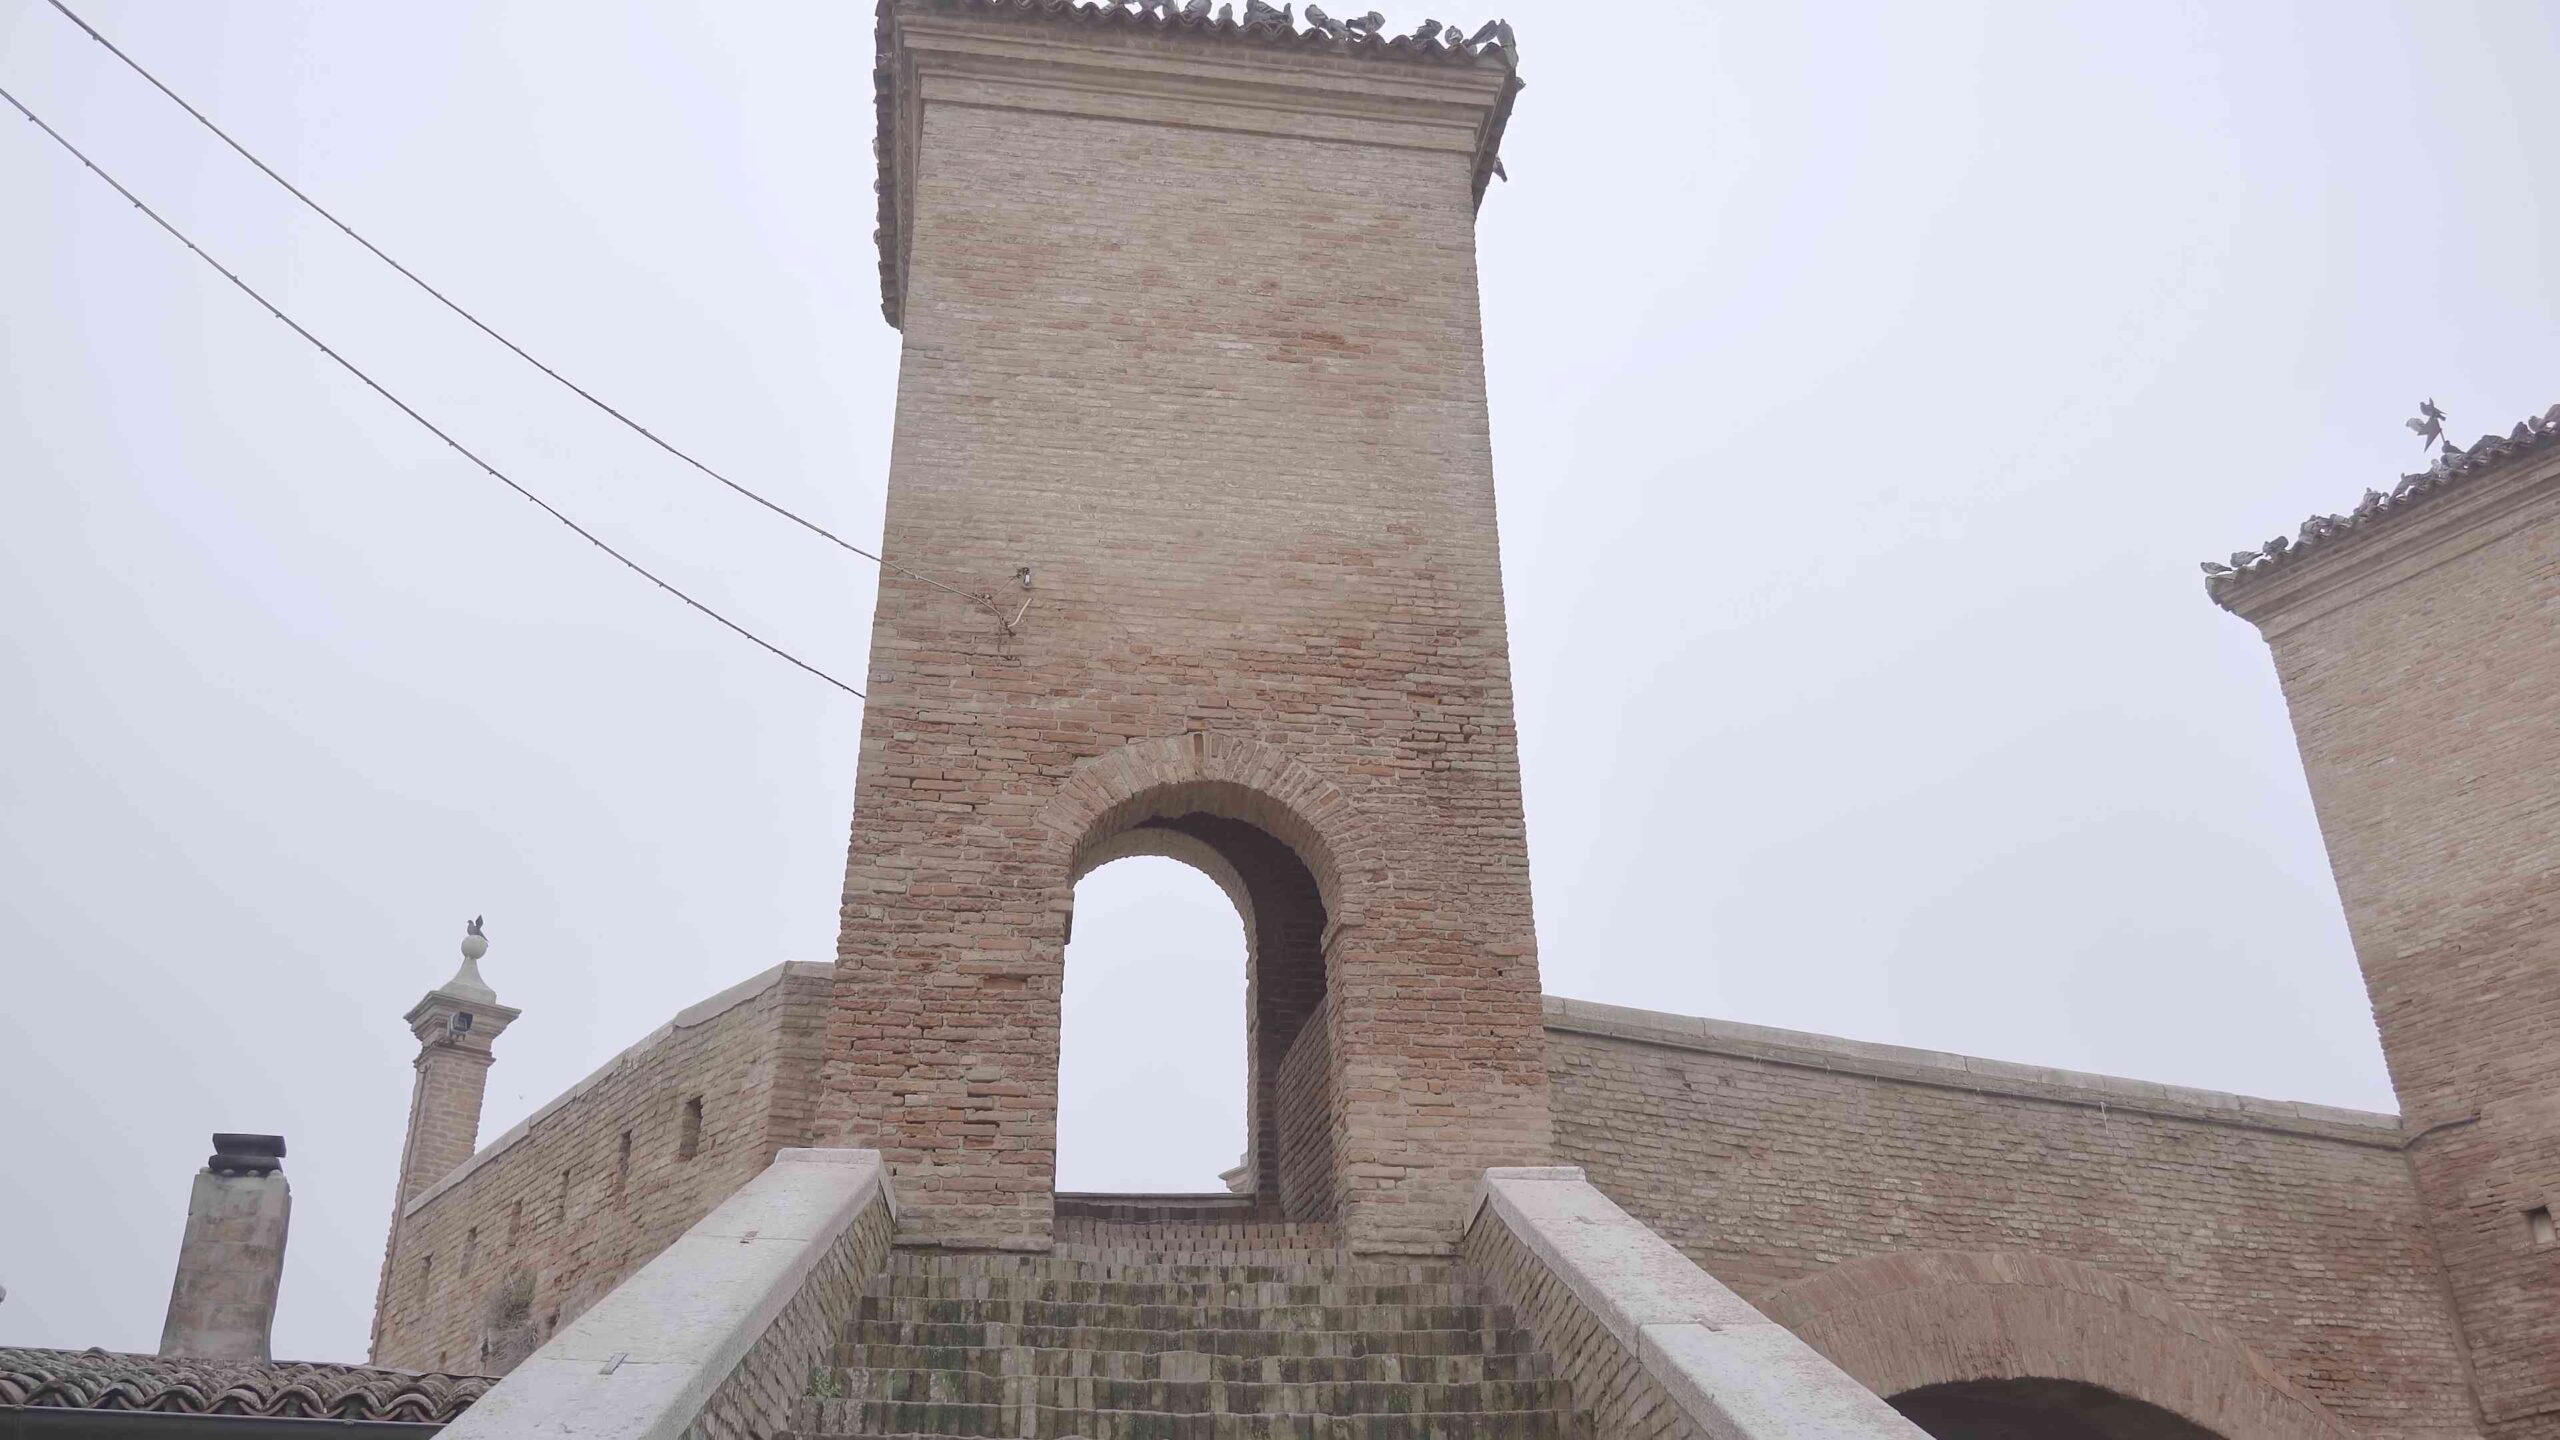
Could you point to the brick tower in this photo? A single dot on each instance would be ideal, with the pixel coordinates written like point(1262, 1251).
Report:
point(1192, 371)
point(457, 1025)
point(2419, 645)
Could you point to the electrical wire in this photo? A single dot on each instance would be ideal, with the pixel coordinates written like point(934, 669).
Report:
point(985, 601)
point(406, 409)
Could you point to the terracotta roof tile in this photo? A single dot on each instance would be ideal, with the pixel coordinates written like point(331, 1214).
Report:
point(2453, 467)
point(99, 1380)
point(1263, 25)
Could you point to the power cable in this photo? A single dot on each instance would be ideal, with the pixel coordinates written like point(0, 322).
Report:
point(404, 407)
point(974, 598)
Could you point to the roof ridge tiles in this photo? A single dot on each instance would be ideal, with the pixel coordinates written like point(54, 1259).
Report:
point(2453, 466)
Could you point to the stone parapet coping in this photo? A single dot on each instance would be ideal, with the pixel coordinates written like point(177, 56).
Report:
point(649, 1358)
point(752, 988)
point(1938, 1069)
point(1731, 1372)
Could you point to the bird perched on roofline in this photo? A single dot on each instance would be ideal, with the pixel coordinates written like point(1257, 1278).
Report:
point(1426, 30)
point(1196, 10)
point(2429, 425)
point(1317, 17)
point(1369, 24)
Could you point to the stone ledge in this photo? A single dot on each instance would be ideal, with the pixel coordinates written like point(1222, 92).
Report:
point(1732, 1372)
point(753, 987)
point(644, 1363)
point(1941, 1070)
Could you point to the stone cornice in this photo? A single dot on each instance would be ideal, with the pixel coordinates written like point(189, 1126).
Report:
point(2486, 507)
point(2465, 500)
point(1103, 60)
point(1939, 1070)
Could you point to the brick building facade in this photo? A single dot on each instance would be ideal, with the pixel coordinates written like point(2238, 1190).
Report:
point(1191, 440)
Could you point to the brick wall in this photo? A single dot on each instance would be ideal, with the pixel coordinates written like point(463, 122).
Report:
point(1611, 1393)
point(1191, 332)
point(1305, 1183)
point(771, 1384)
point(1769, 1157)
point(492, 1258)
point(2421, 661)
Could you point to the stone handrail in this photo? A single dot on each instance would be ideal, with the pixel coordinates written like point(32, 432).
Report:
point(716, 1337)
point(1651, 1344)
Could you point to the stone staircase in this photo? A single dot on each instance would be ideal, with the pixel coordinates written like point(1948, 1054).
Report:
point(1181, 1322)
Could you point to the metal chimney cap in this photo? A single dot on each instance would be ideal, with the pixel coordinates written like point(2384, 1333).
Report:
point(246, 1154)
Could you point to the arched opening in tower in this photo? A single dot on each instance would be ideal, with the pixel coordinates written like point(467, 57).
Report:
point(2039, 1410)
point(1151, 1042)
point(1287, 1133)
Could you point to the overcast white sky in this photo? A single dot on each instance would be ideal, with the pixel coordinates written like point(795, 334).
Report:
point(1867, 381)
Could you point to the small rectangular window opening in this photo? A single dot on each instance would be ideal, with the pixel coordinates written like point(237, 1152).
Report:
point(470, 1249)
point(622, 1169)
point(515, 1221)
point(2537, 1223)
point(689, 1130)
point(560, 1207)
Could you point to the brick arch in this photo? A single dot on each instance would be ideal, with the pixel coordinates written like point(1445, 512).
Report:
point(1166, 843)
point(1228, 776)
point(1289, 850)
point(1898, 1322)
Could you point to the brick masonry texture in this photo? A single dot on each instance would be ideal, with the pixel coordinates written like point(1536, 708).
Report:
point(757, 1397)
point(1305, 1123)
point(2302, 1236)
point(496, 1255)
point(1611, 1393)
point(2421, 660)
point(1190, 331)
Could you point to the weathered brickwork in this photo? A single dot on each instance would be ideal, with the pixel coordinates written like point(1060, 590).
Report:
point(524, 1236)
point(1609, 1391)
point(1770, 1158)
point(2421, 659)
point(1191, 334)
point(1305, 1126)
point(755, 1400)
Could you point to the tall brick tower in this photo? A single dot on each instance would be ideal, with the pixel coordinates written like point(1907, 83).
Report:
point(2419, 644)
point(457, 1024)
point(1192, 371)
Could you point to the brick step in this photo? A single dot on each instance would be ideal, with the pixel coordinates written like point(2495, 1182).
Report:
point(822, 1417)
point(1196, 1397)
point(930, 1286)
point(1193, 1270)
point(1254, 1342)
point(1195, 1365)
point(1068, 1313)
point(1150, 1253)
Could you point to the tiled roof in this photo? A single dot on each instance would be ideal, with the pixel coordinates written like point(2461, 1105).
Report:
point(1262, 24)
point(2453, 467)
point(98, 1380)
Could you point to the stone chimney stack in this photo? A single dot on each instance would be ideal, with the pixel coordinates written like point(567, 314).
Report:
point(222, 1306)
point(456, 1024)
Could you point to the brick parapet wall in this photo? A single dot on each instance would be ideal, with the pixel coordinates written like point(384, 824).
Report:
point(1612, 1395)
point(544, 1220)
point(770, 1384)
point(719, 1336)
point(1770, 1156)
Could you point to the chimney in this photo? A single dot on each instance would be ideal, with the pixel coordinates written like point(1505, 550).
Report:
point(456, 1023)
point(222, 1306)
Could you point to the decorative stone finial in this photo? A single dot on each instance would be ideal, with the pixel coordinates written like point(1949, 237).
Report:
point(466, 982)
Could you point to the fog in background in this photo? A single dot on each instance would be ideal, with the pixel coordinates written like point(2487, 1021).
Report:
point(1867, 381)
